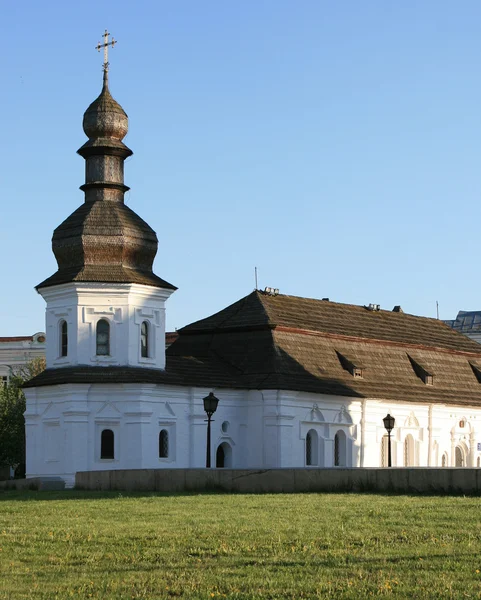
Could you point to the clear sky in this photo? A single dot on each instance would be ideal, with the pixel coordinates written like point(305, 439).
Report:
point(334, 145)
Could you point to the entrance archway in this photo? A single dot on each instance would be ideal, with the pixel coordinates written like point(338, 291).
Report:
point(223, 456)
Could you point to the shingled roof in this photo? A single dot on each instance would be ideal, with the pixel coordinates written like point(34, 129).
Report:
point(292, 343)
point(104, 240)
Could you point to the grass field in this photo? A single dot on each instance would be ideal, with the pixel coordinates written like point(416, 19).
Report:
point(93, 545)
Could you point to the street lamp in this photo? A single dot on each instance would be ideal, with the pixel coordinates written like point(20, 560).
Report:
point(210, 406)
point(389, 425)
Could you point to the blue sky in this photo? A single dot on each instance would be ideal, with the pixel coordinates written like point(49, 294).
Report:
point(334, 145)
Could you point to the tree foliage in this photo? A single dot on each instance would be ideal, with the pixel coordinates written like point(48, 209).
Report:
point(12, 408)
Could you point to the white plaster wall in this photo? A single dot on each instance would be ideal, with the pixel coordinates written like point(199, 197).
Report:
point(124, 306)
point(264, 429)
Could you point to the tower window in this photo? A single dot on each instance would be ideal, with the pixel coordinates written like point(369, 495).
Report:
point(164, 444)
point(144, 340)
point(107, 444)
point(63, 338)
point(103, 338)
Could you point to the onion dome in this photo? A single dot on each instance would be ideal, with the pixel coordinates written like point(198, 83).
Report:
point(104, 240)
point(105, 123)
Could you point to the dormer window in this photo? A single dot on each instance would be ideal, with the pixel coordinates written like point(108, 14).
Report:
point(103, 338)
point(63, 338)
point(144, 340)
point(356, 370)
point(423, 374)
point(476, 371)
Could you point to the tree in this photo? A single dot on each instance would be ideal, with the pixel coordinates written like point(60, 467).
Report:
point(12, 408)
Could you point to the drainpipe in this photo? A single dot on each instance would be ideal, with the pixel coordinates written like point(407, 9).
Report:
point(363, 435)
point(430, 434)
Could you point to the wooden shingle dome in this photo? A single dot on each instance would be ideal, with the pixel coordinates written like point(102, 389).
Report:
point(104, 240)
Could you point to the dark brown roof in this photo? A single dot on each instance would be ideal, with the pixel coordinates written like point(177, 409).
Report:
point(321, 316)
point(284, 342)
point(106, 242)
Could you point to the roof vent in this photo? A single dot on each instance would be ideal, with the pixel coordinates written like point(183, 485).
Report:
point(271, 291)
point(373, 307)
point(398, 309)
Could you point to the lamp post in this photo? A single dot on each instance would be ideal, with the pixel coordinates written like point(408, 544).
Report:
point(389, 425)
point(210, 406)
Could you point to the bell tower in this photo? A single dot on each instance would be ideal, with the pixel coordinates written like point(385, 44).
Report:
point(105, 305)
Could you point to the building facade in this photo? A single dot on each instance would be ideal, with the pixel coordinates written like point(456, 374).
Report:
point(467, 322)
point(16, 352)
point(301, 382)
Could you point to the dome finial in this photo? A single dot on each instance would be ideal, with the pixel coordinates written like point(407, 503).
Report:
point(105, 46)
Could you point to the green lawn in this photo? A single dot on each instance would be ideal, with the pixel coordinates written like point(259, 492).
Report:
point(98, 545)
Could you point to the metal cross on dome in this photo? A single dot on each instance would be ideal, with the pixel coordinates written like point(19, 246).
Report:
point(105, 46)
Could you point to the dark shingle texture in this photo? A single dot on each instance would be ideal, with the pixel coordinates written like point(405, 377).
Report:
point(285, 342)
point(105, 242)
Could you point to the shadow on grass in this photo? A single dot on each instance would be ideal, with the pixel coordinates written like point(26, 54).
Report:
point(73, 494)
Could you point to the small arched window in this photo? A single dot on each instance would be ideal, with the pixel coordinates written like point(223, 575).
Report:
point(311, 448)
point(164, 444)
point(444, 462)
point(107, 444)
point(103, 338)
point(63, 338)
point(340, 442)
point(144, 340)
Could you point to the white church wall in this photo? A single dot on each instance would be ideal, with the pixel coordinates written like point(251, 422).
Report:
point(136, 414)
point(257, 429)
point(124, 306)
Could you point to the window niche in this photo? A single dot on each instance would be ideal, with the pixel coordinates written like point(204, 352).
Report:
point(107, 445)
point(103, 338)
point(144, 339)
point(340, 449)
point(63, 330)
point(312, 451)
point(164, 444)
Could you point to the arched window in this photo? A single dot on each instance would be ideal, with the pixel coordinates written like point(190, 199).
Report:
point(107, 444)
point(459, 455)
point(444, 461)
point(478, 462)
point(340, 442)
point(311, 448)
point(164, 444)
point(409, 451)
point(63, 338)
point(144, 340)
point(103, 338)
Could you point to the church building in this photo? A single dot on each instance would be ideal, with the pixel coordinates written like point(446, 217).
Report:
point(300, 382)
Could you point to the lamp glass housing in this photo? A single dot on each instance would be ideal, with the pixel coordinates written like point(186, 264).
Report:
point(389, 422)
point(210, 404)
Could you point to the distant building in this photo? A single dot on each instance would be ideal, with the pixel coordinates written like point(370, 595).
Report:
point(467, 322)
point(15, 352)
